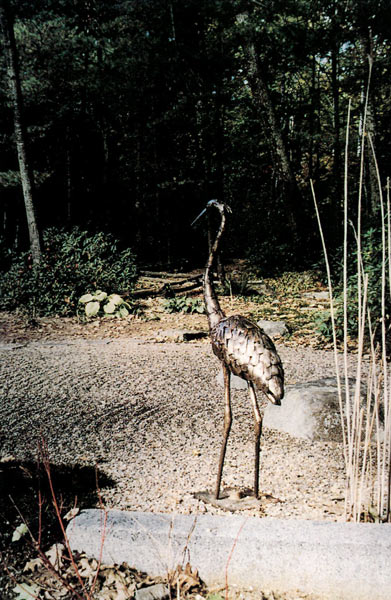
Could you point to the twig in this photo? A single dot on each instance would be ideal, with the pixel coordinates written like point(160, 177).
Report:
point(46, 464)
point(231, 554)
point(186, 547)
point(103, 536)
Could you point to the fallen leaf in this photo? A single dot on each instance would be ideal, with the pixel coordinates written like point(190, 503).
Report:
point(19, 532)
point(8, 458)
point(54, 555)
point(184, 579)
point(26, 591)
point(32, 565)
point(71, 514)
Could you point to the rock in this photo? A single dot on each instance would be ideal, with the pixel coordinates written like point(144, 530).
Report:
point(317, 295)
point(344, 561)
point(159, 591)
point(179, 335)
point(310, 410)
point(273, 328)
point(11, 346)
point(258, 287)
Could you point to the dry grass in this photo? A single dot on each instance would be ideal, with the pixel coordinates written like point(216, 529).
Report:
point(366, 427)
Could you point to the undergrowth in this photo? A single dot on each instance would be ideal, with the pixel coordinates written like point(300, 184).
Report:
point(72, 262)
point(365, 261)
point(184, 304)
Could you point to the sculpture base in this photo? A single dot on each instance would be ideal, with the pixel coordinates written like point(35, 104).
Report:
point(232, 499)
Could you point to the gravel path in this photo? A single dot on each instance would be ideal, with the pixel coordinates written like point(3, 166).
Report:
point(151, 416)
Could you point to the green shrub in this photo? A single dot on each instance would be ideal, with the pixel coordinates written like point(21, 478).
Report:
point(72, 262)
point(7, 255)
point(184, 304)
point(371, 257)
point(100, 304)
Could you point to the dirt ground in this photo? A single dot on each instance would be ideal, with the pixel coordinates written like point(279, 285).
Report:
point(125, 401)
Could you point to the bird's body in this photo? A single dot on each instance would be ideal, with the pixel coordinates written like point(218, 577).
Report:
point(244, 349)
point(248, 352)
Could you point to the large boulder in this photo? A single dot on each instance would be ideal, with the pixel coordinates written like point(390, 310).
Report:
point(274, 329)
point(310, 410)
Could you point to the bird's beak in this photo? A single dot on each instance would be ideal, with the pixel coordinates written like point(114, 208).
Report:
point(200, 215)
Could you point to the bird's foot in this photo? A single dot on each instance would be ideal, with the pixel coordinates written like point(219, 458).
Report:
point(231, 499)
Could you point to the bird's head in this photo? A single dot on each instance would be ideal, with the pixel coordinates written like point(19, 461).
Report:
point(221, 207)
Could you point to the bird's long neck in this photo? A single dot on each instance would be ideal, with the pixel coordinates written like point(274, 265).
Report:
point(212, 305)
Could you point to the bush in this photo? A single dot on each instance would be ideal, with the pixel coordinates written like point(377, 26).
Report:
point(72, 262)
point(371, 257)
point(100, 304)
point(184, 304)
point(7, 255)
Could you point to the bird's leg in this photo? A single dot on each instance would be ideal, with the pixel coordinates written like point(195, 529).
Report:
point(258, 431)
point(227, 425)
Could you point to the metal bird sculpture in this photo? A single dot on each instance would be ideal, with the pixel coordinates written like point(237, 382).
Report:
point(244, 349)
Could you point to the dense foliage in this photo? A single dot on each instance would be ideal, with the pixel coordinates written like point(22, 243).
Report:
point(184, 304)
point(72, 264)
point(366, 263)
point(139, 112)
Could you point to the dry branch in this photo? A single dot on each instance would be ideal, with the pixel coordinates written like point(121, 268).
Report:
point(173, 287)
point(166, 275)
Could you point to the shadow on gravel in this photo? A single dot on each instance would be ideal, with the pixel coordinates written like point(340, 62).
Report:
point(24, 487)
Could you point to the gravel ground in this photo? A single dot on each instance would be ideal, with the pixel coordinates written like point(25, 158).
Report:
point(151, 416)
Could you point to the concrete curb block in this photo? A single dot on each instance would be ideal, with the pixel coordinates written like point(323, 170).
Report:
point(333, 560)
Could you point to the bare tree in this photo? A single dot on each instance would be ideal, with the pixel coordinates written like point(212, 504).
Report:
point(7, 26)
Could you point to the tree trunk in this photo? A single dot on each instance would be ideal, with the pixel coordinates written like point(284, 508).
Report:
point(366, 44)
point(311, 125)
point(266, 110)
point(6, 24)
point(337, 166)
point(373, 203)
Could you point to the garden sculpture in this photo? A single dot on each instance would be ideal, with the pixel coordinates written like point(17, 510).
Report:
point(244, 349)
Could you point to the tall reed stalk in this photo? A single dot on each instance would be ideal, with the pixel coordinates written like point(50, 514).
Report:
point(366, 424)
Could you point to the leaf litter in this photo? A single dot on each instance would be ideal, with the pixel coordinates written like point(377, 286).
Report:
point(100, 582)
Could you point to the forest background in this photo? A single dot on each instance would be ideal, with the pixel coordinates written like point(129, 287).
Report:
point(120, 119)
point(134, 113)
